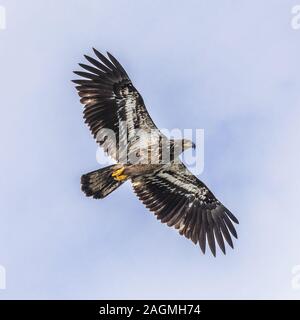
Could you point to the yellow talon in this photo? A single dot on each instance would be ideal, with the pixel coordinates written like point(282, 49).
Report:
point(117, 174)
point(121, 177)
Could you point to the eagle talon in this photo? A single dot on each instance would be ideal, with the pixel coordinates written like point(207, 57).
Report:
point(117, 174)
point(121, 177)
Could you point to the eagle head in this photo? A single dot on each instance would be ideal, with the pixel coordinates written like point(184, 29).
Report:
point(187, 144)
point(180, 145)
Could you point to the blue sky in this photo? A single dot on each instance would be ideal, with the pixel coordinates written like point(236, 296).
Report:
point(230, 67)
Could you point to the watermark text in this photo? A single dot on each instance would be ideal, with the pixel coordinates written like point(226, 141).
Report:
point(2, 18)
point(295, 22)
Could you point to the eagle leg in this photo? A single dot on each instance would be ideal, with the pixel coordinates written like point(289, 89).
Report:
point(117, 174)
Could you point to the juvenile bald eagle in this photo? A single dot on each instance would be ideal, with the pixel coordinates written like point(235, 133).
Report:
point(167, 188)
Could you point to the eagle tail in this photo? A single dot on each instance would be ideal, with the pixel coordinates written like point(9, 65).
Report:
point(100, 183)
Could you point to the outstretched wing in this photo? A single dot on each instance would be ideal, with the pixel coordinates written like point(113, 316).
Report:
point(181, 200)
point(110, 99)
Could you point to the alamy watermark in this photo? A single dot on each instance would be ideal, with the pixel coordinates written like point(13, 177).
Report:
point(153, 147)
point(295, 22)
point(295, 283)
point(2, 278)
point(2, 18)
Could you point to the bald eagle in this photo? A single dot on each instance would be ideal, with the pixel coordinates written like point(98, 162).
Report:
point(167, 188)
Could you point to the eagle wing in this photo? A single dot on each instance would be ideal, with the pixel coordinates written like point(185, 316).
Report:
point(180, 199)
point(110, 99)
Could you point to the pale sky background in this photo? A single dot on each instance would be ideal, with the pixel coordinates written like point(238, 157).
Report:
point(229, 67)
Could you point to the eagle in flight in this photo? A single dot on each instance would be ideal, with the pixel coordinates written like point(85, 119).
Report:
point(167, 188)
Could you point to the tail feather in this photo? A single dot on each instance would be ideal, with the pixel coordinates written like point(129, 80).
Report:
point(99, 183)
